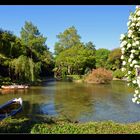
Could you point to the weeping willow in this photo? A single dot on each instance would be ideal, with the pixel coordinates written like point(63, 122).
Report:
point(31, 66)
point(25, 68)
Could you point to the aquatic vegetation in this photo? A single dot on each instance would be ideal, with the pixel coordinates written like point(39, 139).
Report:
point(63, 126)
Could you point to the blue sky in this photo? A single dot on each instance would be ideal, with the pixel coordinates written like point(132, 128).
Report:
point(101, 24)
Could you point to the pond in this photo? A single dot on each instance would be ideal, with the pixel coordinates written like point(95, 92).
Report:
point(78, 101)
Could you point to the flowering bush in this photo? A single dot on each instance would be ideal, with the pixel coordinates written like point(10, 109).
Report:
point(130, 48)
point(100, 75)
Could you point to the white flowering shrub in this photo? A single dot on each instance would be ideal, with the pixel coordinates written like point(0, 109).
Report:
point(130, 48)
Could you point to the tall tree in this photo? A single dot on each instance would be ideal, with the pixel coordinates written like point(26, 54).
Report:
point(32, 38)
point(35, 47)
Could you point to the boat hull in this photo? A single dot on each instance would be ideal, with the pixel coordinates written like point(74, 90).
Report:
point(11, 108)
point(15, 87)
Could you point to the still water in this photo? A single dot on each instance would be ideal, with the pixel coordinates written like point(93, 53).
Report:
point(78, 101)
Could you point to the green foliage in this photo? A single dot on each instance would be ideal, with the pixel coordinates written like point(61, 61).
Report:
point(75, 77)
point(36, 49)
point(90, 46)
point(114, 59)
point(107, 127)
point(66, 39)
point(119, 74)
point(9, 125)
point(26, 58)
point(31, 37)
point(8, 44)
point(58, 48)
point(5, 80)
point(25, 68)
point(62, 126)
point(102, 57)
point(78, 55)
point(76, 59)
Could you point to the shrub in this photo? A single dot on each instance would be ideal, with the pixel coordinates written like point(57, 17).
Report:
point(100, 75)
point(5, 81)
point(119, 74)
point(75, 77)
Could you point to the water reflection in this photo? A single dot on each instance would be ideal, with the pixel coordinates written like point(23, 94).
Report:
point(73, 104)
point(78, 101)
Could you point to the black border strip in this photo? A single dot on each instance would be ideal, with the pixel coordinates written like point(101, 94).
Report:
point(71, 136)
point(70, 2)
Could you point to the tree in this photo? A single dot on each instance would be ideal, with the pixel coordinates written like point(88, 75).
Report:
point(58, 48)
point(35, 46)
point(10, 48)
point(47, 64)
point(102, 57)
point(25, 58)
point(7, 42)
point(31, 37)
point(75, 60)
point(130, 48)
point(114, 59)
point(24, 68)
point(90, 46)
point(66, 40)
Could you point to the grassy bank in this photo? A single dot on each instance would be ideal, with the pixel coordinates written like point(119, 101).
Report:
point(60, 126)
